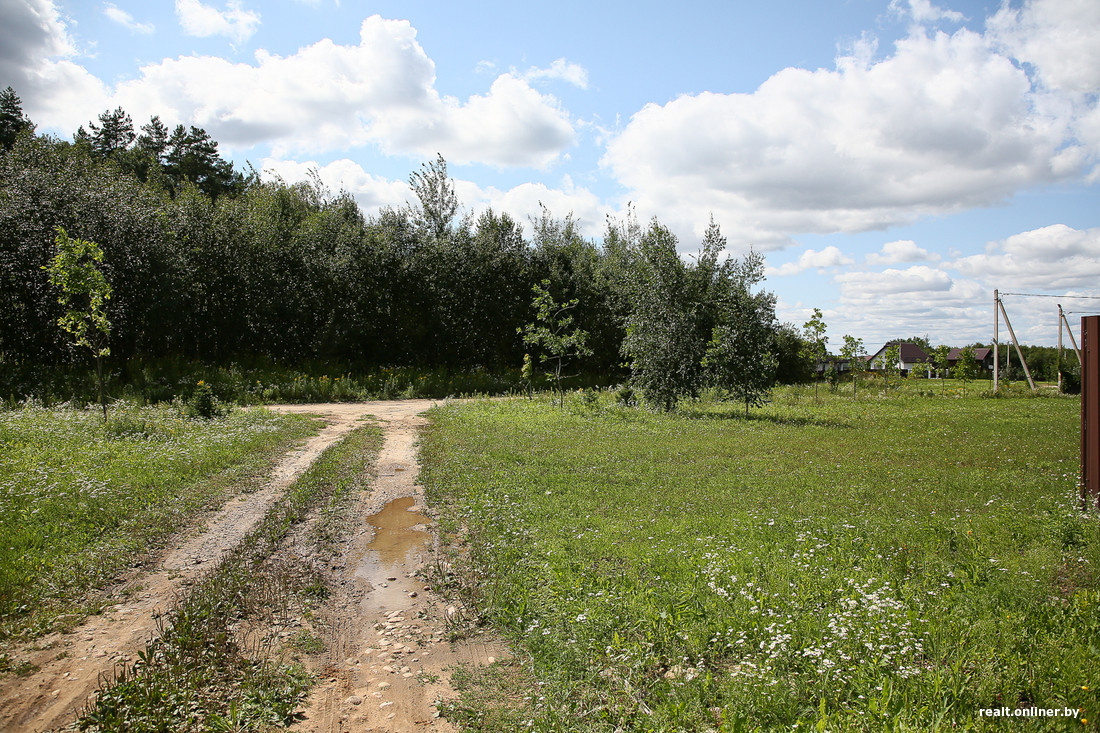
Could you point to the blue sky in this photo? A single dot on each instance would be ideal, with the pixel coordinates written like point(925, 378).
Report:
point(895, 160)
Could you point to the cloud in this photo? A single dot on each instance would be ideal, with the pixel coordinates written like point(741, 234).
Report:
point(904, 250)
point(810, 259)
point(328, 96)
point(952, 301)
point(1058, 38)
point(944, 124)
point(124, 19)
point(1052, 258)
point(562, 70)
point(877, 306)
point(36, 54)
point(198, 19)
point(924, 12)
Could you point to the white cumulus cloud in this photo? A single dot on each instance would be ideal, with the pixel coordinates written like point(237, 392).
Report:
point(124, 19)
point(946, 123)
point(198, 19)
point(903, 250)
point(562, 70)
point(1052, 258)
point(812, 259)
point(328, 96)
point(37, 60)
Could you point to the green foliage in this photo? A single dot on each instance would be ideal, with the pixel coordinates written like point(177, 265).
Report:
point(891, 363)
point(738, 358)
point(966, 368)
point(202, 403)
point(554, 336)
point(815, 342)
point(872, 564)
point(853, 352)
point(75, 270)
point(84, 500)
point(675, 308)
point(435, 192)
point(12, 119)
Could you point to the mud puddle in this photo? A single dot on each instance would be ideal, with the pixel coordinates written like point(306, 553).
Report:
point(401, 540)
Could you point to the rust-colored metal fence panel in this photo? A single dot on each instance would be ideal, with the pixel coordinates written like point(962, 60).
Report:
point(1090, 412)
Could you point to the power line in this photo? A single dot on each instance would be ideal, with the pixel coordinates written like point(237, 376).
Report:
point(1044, 295)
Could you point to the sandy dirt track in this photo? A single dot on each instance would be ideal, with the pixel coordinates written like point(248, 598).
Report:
point(389, 660)
point(379, 696)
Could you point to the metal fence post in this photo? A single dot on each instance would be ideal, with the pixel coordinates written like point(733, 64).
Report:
point(1090, 412)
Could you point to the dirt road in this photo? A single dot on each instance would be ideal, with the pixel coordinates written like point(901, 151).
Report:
point(389, 660)
point(71, 664)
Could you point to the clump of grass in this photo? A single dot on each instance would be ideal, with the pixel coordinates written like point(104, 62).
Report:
point(82, 500)
point(847, 564)
point(199, 673)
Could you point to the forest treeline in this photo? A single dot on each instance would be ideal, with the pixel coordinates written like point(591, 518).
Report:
point(210, 264)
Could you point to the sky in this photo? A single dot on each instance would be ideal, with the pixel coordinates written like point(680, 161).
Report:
point(895, 161)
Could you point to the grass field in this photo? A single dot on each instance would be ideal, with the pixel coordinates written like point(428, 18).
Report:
point(81, 500)
point(876, 563)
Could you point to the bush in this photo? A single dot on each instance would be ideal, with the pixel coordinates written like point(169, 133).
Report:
point(203, 403)
point(1071, 380)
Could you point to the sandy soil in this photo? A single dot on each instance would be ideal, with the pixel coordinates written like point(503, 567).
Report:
point(71, 664)
point(388, 658)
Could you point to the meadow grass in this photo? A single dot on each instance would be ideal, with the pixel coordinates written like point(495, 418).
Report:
point(82, 500)
point(886, 562)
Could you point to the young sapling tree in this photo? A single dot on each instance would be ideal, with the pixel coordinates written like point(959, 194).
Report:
point(853, 352)
point(941, 361)
point(891, 364)
point(553, 336)
point(75, 269)
point(966, 367)
point(816, 341)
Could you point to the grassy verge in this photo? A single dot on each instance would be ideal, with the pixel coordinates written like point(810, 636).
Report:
point(880, 563)
point(248, 382)
point(81, 501)
point(202, 673)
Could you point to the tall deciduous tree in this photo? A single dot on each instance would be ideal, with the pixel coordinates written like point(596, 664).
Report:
point(661, 342)
point(84, 294)
point(435, 192)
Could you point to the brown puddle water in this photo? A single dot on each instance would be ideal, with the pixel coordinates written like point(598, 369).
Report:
point(399, 536)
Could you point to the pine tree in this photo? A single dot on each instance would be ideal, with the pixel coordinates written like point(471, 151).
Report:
point(12, 120)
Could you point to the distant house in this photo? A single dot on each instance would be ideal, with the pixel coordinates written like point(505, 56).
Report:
point(910, 357)
point(839, 364)
point(984, 357)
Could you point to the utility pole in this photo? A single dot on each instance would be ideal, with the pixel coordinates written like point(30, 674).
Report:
point(996, 346)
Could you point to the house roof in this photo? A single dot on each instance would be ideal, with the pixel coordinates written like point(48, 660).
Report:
point(910, 353)
point(979, 354)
